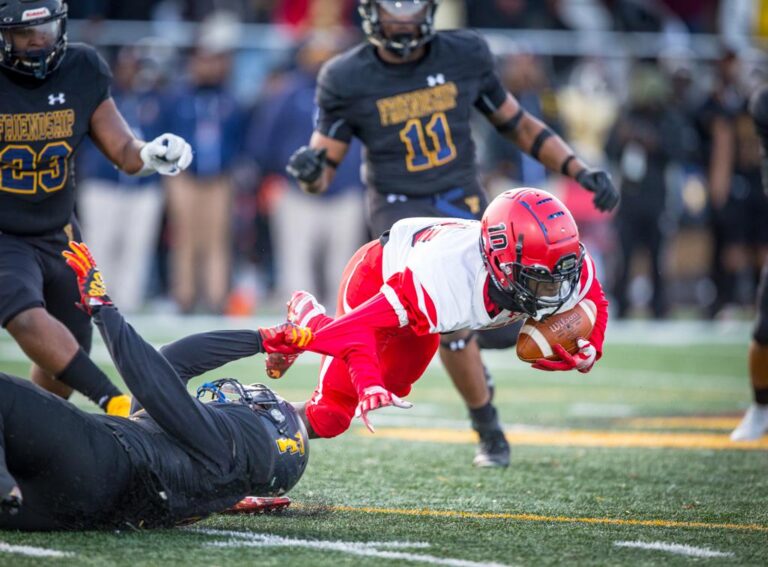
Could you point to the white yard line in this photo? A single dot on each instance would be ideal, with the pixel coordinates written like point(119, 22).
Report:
point(33, 551)
point(363, 549)
point(676, 548)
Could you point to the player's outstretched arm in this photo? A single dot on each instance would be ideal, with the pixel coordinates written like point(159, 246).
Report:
point(314, 166)
point(537, 139)
point(167, 154)
point(148, 375)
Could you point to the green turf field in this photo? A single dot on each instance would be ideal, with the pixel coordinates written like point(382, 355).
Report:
point(628, 465)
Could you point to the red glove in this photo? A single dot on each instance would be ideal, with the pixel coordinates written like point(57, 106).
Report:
point(375, 397)
point(93, 291)
point(581, 361)
point(285, 338)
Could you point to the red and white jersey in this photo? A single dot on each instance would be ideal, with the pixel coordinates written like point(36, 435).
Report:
point(434, 272)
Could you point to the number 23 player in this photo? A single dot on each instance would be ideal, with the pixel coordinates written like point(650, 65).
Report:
point(52, 95)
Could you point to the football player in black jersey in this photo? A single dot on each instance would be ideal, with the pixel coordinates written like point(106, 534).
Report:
point(755, 422)
point(175, 460)
point(52, 95)
point(408, 95)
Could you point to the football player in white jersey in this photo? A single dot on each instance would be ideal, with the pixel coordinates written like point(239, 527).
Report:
point(429, 276)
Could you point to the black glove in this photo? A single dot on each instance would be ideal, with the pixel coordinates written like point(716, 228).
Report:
point(306, 164)
point(599, 182)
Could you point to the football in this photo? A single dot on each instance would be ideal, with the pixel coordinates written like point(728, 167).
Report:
point(537, 337)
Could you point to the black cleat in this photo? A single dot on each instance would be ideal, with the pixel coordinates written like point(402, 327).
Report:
point(493, 449)
point(11, 503)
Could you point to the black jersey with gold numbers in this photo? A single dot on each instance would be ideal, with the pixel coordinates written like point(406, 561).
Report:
point(413, 118)
point(42, 124)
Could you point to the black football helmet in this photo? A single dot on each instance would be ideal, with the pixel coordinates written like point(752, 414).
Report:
point(421, 12)
point(49, 19)
point(281, 420)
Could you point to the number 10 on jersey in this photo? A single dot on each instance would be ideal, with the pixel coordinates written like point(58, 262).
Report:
point(428, 146)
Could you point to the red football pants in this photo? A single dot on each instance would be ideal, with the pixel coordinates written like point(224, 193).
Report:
point(403, 355)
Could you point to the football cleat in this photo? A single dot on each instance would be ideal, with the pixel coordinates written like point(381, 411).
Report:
point(259, 505)
point(493, 449)
point(753, 425)
point(11, 502)
point(304, 310)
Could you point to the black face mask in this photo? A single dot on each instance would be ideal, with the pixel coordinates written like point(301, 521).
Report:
point(503, 299)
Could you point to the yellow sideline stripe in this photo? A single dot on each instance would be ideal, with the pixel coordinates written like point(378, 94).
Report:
point(582, 438)
point(725, 423)
point(539, 518)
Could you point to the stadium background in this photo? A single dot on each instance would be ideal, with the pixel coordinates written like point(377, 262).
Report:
point(685, 243)
point(630, 464)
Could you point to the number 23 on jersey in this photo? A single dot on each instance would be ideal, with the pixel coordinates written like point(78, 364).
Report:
point(427, 145)
point(24, 171)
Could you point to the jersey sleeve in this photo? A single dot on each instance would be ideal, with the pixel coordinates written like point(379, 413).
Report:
point(591, 289)
point(102, 81)
point(331, 106)
point(492, 93)
point(197, 354)
point(152, 379)
point(353, 339)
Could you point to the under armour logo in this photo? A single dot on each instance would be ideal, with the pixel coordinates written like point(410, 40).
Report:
point(434, 80)
point(56, 99)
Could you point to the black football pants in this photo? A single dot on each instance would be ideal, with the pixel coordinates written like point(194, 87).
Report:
point(67, 462)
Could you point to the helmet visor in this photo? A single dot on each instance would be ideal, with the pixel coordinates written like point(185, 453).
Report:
point(415, 10)
point(549, 290)
point(42, 37)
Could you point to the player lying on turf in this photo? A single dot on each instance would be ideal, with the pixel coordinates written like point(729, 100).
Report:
point(429, 276)
point(177, 460)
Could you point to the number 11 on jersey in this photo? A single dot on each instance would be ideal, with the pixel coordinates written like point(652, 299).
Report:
point(420, 156)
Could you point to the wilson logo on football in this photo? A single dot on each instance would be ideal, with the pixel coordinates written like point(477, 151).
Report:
point(566, 322)
point(35, 14)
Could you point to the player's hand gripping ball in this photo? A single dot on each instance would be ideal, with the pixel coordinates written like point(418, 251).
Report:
point(560, 342)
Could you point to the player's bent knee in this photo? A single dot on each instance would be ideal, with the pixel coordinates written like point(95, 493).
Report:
point(27, 321)
point(457, 341)
point(327, 421)
point(760, 334)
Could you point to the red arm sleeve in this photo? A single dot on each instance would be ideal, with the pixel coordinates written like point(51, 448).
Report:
point(594, 291)
point(352, 338)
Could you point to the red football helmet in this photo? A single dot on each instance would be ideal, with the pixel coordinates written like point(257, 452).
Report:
point(530, 244)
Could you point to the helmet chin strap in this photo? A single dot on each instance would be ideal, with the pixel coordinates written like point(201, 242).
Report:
point(404, 41)
point(36, 61)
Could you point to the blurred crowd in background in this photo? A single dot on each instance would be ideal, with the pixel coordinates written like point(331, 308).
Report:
point(235, 235)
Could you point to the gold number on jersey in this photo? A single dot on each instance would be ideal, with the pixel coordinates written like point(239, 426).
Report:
point(419, 155)
point(24, 171)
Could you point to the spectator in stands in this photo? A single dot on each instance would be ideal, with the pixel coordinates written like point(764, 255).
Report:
point(331, 226)
point(121, 213)
point(200, 200)
point(737, 204)
point(644, 140)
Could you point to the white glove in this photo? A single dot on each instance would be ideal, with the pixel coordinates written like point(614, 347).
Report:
point(167, 155)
